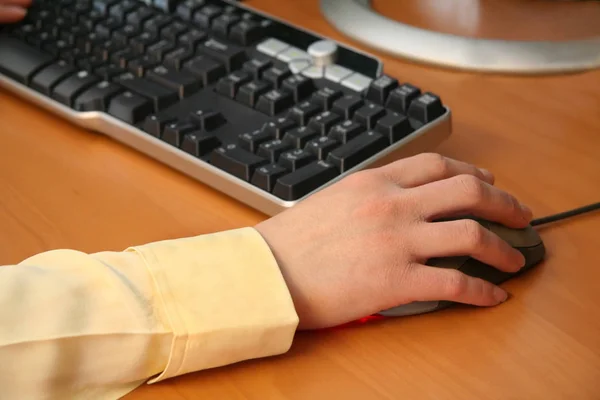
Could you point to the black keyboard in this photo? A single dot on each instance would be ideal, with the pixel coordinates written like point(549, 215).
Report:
point(263, 111)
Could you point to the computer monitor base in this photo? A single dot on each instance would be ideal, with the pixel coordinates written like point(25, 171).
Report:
point(358, 20)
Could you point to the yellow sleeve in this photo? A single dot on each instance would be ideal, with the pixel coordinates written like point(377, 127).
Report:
point(78, 326)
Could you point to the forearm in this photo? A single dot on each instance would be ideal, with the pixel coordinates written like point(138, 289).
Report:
point(74, 325)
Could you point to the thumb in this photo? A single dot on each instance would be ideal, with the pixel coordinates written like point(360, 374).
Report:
point(431, 284)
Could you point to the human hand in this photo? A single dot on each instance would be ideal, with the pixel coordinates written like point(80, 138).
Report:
point(13, 10)
point(360, 246)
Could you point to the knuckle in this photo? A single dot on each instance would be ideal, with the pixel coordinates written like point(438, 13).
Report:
point(473, 233)
point(458, 284)
point(472, 187)
point(438, 164)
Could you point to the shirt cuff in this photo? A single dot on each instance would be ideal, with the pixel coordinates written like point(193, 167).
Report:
point(224, 298)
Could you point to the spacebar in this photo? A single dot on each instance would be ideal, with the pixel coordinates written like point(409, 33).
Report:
point(20, 61)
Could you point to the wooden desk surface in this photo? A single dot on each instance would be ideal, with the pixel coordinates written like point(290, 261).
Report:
point(64, 187)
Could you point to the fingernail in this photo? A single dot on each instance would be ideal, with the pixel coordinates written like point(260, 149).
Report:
point(500, 295)
point(522, 260)
point(527, 211)
point(487, 174)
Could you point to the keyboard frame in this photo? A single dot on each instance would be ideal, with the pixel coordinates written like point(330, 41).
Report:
point(424, 139)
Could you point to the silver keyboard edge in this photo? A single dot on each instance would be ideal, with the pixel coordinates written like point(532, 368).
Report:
point(380, 33)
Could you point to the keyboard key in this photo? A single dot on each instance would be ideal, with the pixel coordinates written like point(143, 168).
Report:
point(304, 180)
point(122, 57)
point(139, 66)
point(187, 8)
point(174, 131)
point(252, 140)
point(279, 127)
point(276, 75)
point(155, 124)
point(299, 85)
point(401, 97)
point(206, 15)
point(223, 23)
point(66, 91)
point(346, 131)
point(237, 161)
point(107, 27)
point(369, 114)
point(97, 97)
point(208, 119)
point(192, 38)
point(208, 70)
point(231, 56)
point(321, 146)
point(257, 67)
point(161, 96)
point(130, 107)
point(45, 80)
point(426, 108)
point(140, 43)
point(183, 82)
point(325, 98)
point(173, 30)
point(122, 9)
point(347, 105)
point(300, 136)
point(108, 71)
point(123, 35)
point(356, 82)
point(274, 102)
point(102, 6)
point(394, 126)
point(323, 122)
point(20, 61)
point(139, 16)
point(199, 143)
point(165, 5)
point(380, 89)
point(272, 149)
point(266, 176)
point(159, 49)
point(272, 47)
point(155, 24)
point(90, 63)
point(246, 33)
point(357, 150)
point(303, 112)
point(249, 93)
point(229, 85)
point(295, 159)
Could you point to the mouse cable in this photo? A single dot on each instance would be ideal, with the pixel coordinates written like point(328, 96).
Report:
point(566, 214)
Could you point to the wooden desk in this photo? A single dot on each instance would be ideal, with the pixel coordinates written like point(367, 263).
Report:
point(64, 187)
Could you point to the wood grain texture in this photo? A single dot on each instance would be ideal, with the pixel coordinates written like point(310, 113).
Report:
point(506, 19)
point(64, 187)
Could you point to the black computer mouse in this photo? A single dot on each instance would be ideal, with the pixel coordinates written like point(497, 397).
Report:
point(526, 240)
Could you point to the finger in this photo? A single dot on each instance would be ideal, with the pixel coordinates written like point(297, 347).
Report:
point(22, 3)
point(10, 14)
point(441, 284)
point(428, 167)
point(467, 238)
point(468, 195)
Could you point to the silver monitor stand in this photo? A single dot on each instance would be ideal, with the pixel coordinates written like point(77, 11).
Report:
point(357, 19)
